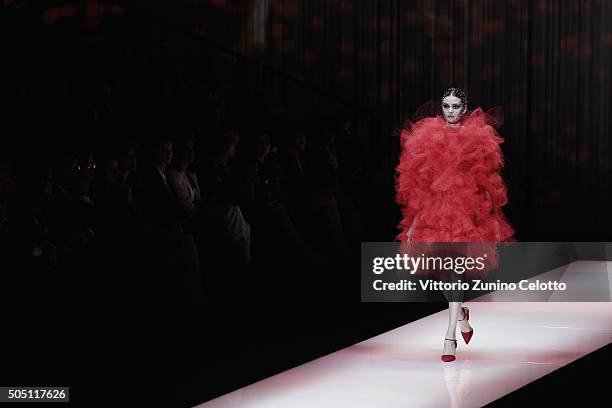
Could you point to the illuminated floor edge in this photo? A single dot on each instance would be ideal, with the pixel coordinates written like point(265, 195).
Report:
point(514, 344)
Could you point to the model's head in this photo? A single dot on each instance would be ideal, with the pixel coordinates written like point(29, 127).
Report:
point(454, 105)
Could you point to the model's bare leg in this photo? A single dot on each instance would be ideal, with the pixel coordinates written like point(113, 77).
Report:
point(454, 310)
point(464, 325)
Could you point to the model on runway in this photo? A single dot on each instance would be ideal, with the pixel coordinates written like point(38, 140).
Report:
point(450, 190)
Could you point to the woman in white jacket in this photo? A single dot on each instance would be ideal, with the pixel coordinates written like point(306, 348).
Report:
point(184, 183)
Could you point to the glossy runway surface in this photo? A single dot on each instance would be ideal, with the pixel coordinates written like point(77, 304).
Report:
point(514, 344)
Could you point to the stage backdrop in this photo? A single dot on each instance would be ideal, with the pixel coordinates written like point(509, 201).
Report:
point(547, 62)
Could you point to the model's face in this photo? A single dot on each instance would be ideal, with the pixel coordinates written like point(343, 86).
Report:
point(453, 109)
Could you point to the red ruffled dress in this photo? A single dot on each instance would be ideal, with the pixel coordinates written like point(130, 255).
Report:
point(449, 188)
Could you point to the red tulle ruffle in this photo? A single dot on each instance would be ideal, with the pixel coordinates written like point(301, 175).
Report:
point(449, 187)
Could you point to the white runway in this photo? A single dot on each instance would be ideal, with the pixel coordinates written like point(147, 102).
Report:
point(514, 344)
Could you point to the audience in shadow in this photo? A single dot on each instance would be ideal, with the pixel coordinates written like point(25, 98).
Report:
point(222, 192)
point(163, 217)
point(194, 209)
point(312, 206)
point(262, 207)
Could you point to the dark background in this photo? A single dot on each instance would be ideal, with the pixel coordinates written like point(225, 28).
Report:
point(81, 71)
point(546, 62)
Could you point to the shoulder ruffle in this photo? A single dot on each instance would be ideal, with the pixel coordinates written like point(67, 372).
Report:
point(481, 155)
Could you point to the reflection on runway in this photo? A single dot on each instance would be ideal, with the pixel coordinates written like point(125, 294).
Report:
point(514, 344)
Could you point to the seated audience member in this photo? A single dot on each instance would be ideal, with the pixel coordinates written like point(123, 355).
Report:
point(67, 208)
point(221, 193)
point(163, 216)
point(27, 257)
point(312, 207)
point(325, 175)
point(183, 179)
point(115, 192)
point(261, 207)
point(351, 155)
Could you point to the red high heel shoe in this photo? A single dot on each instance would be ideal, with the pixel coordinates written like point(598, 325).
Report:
point(449, 357)
point(467, 336)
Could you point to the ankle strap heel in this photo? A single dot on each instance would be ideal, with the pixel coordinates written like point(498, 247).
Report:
point(449, 357)
point(467, 336)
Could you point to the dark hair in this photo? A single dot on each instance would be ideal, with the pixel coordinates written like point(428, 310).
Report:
point(458, 93)
point(185, 136)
